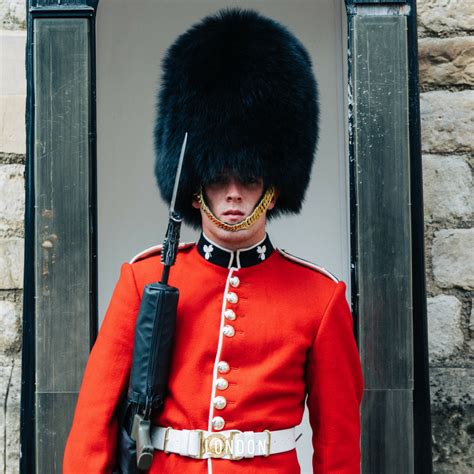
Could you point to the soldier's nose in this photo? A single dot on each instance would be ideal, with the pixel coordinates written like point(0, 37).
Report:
point(233, 197)
point(233, 192)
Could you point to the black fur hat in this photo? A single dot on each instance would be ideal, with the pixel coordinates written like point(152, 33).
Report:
point(242, 86)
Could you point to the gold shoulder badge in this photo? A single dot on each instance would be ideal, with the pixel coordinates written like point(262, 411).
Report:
point(308, 264)
point(156, 250)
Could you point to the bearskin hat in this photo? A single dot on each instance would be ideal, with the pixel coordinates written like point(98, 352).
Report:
point(242, 86)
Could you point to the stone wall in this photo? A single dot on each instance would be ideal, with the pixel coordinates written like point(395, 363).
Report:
point(12, 206)
point(446, 48)
point(446, 60)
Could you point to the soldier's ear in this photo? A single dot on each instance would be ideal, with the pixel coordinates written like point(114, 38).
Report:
point(274, 200)
point(195, 203)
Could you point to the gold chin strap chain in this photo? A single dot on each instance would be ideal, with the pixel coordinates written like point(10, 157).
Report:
point(248, 221)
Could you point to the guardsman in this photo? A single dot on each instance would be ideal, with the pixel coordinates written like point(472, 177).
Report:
point(259, 332)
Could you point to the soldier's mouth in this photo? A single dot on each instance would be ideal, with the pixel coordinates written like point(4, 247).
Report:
point(233, 215)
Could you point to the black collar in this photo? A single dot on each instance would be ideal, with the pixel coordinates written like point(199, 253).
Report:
point(234, 258)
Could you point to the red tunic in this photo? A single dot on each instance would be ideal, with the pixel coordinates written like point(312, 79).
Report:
point(293, 337)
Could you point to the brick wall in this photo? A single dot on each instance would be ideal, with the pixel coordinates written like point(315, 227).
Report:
point(446, 59)
point(12, 199)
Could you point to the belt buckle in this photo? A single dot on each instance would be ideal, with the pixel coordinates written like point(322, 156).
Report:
point(216, 445)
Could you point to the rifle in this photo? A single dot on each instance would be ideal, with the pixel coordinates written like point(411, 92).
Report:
point(153, 342)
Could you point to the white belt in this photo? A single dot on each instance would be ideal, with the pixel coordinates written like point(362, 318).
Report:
point(229, 444)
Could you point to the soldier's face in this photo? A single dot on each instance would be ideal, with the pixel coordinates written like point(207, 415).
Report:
point(232, 200)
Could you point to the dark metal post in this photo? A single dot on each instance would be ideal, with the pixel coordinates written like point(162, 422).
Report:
point(60, 289)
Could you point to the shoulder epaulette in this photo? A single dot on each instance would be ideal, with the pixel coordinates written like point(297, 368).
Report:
point(156, 250)
point(308, 264)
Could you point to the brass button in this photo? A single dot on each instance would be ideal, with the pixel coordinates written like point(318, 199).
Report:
point(218, 422)
point(229, 314)
point(220, 402)
point(222, 383)
point(234, 281)
point(228, 330)
point(231, 297)
point(223, 367)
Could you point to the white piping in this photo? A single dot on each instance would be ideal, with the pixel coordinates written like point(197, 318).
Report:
point(149, 249)
point(216, 245)
point(308, 264)
point(237, 259)
point(216, 360)
point(231, 261)
point(144, 253)
point(253, 246)
point(239, 250)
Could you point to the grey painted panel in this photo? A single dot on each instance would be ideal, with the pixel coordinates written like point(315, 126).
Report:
point(61, 125)
point(387, 432)
point(50, 443)
point(380, 89)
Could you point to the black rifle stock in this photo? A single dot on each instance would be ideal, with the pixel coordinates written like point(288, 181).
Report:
point(153, 343)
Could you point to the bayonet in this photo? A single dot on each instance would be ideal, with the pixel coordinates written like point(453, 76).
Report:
point(178, 174)
point(171, 242)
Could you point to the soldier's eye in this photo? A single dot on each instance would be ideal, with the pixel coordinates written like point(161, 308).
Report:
point(219, 179)
point(252, 181)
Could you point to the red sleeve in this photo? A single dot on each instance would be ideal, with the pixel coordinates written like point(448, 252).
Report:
point(334, 385)
point(92, 440)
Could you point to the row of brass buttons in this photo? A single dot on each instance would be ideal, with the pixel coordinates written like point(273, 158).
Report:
point(223, 367)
